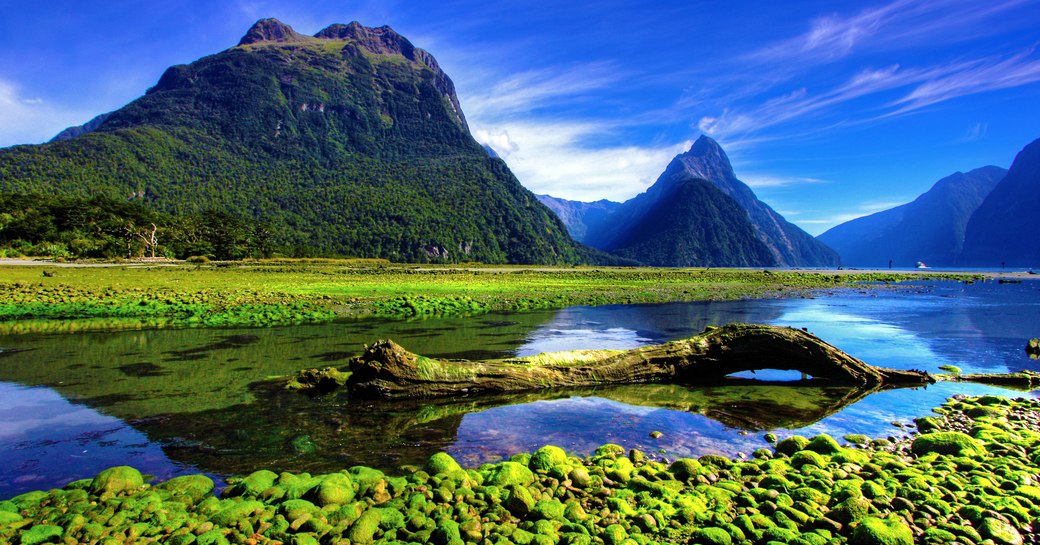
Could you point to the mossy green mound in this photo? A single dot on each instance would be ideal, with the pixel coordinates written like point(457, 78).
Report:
point(932, 493)
point(948, 442)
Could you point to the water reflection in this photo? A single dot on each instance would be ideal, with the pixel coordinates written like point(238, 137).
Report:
point(191, 396)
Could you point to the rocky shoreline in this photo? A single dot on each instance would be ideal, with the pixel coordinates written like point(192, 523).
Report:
point(970, 475)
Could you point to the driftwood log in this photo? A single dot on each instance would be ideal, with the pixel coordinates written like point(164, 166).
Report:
point(387, 370)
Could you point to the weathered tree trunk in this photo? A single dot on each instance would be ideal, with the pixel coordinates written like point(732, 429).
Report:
point(387, 370)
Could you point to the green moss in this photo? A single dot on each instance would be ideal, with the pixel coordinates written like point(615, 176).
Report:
point(253, 485)
point(1000, 532)
point(189, 487)
point(509, 473)
point(791, 445)
point(823, 444)
point(442, 463)
point(41, 533)
point(116, 480)
point(713, 536)
point(334, 489)
point(875, 531)
point(948, 442)
point(547, 458)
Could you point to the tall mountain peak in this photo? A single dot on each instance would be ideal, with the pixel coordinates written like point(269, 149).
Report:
point(706, 146)
point(707, 161)
point(271, 30)
point(726, 201)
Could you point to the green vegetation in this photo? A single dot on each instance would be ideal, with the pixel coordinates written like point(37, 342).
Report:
point(101, 227)
point(51, 299)
point(817, 492)
point(319, 149)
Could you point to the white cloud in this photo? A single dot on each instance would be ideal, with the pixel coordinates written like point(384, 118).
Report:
point(499, 141)
point(31, 120)
point(551, 157)
point(771, 180)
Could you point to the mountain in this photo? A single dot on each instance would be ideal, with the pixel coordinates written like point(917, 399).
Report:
point(89, 126)
point(579, 217)
point(1003, 230)
point(349, 142)
point(724, 203)
point(929, 229)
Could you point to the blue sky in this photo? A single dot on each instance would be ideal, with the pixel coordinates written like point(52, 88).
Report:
point(829, 110)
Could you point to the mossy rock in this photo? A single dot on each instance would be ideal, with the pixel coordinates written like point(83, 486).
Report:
point(212, 537)
point(850, 510)
point(229, 516)
point(253, 484)
point(685, 469)
point(520, 501)
point(334, 489)
point(610, 450)
point(713, 536)
point(549, 509)
point(823, 444)
point(547, 458)
point(7, 517)
point(875, 531)
point(947, 442)
point(364, 529)
point(42, 533)
point(1000, 532)
point(804, 457)
point(509, 473)
point(791, 445)
point(928, 424)
point(447, 533)
point(614, 534)
point(442, 463)
point(857, 439)
point(191, 487)
point(116, 480)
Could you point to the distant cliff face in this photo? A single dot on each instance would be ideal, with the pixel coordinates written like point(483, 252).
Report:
point(728, 205)
point(1004, 229)
point(580, 217)
point(931, 229)
point(350, 142)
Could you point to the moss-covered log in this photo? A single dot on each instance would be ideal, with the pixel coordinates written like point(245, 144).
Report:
point(1025, 381)
point(386, 369)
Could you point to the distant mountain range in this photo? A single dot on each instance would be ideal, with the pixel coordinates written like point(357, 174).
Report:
point(1004, 229)
point(580, 217)
point(697, 213)
point(982, 218)
point(930, 229)
point(350, 142)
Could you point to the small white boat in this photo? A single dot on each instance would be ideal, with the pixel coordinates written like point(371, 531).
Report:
point(921, 265)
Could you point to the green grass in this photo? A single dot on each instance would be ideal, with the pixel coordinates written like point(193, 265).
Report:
point(287, 292)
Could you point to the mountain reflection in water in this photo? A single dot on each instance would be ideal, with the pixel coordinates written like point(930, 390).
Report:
point(176, 401)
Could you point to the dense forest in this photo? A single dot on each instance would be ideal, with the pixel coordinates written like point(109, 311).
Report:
point(100, 227)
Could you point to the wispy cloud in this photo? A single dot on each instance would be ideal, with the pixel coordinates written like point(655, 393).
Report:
point(898, 24)
point(30, 119)
point(536, 89)
point(975, 132)
point(757, 180)
point(919, 87)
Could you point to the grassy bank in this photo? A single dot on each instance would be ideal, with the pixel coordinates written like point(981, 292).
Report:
point(51, 298)
point(970, 477)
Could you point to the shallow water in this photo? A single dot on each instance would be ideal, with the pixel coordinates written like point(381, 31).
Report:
point(178, 401)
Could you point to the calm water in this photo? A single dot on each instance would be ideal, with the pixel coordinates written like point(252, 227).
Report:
point(177, 401)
